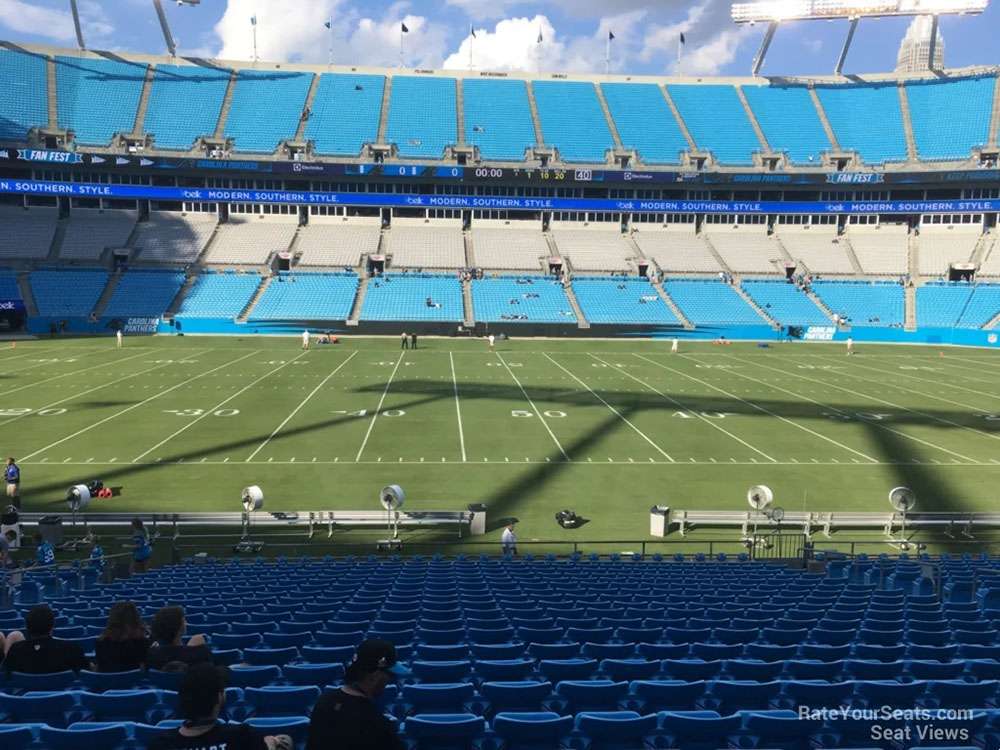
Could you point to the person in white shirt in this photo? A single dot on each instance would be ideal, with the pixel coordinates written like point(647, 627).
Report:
point(492, 341)
point(118, 338)
point(850, 346)
point(508, 540)
point(673, 347)
point(305, 339)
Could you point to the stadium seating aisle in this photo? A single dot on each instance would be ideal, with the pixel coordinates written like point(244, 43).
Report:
point(345, 113)
point(677, 250)
point(982, 308)
point(67, 293)
point(711, 302)
point(879, 103)
point(818, 247)
point(942, 304)
point(114, 85)
point(645, 122)
point(281, 94)
point(682, 654)
point(168, 237)
point(27, 233)
point(184, 104)
point(497, 118)
point(405, 297)
point(789, 121)
point(25, 102)
point(703, 107)
point(864, 303)
point(950, 118)
point(251, 240)
point(521, 299)
point(621, 300)
point(307, 296)
point(418, 130)
point(785, 302)
point(219, 295)
point(144, 293)
point(572, 120)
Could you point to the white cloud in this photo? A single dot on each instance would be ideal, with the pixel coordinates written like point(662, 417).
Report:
point(711, 40)
point(283, 34)
point(57, 25)
point(376, 42)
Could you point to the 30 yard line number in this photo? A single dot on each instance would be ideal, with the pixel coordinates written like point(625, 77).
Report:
point(201, 412)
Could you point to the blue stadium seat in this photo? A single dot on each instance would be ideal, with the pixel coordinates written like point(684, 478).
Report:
point(789, 121)
point(120, 705)
point(97, 98)
point(67, 293)
point(785, 302)
point(282, 700)
point(521, 299)
point(711, 303)
point(25, 104)
point(645, 122)
point(144, 293)
point(253, 675)
point(880, 103)
point(532, 730)
point(951, 117)
point(618, 300)
point(313, 674)
point(296, 727)
point(106, 737)
point(440, 730)
point(702, 107)
point(418, 130)
point(437, 698)
point(591, 695)
point(404, 298)
point(279, 94)
point(572, 120)
point(345, 113)
point(184, 104)
point(614, 730)
point(497, 118)
point(52, 708)
point(218, 295)
point(307, 296)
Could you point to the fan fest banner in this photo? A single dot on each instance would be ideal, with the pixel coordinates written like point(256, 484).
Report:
point(298, 197)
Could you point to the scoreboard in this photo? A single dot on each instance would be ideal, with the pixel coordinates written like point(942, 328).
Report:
point(491, 174)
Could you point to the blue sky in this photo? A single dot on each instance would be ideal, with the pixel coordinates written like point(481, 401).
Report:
point(573, 31)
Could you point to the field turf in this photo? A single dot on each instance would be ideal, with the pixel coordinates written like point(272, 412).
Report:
point(606, 428)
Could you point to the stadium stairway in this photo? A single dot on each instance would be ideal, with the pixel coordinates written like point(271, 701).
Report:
point(715, 254)
point(57, 240)
point(982, 246)
point(245, 313)
point(175, 305)
point(910, 297)
point(581, 319)
point(765, 147)
point(53, 102)
point(300, 134)
point(852, 256)
point(227, 104)
point(821, 305)
point(823, 119)
point(24, 285)
point(359, 301)
point(109, 290)
point(140, 114)
point(612, 127)
point(989, 326)
point(692, 147)
point(383, 120)
point(536, 121)
point(913, 256)
point(688, 325)
point(994, 118)
point(904, 107)
point(738, 287)
point(467, 305)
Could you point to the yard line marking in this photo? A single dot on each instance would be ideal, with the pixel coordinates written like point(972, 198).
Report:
point(301, 404)
point(887, 403)
point(208, 412)
point(371, 425)
point(758, 407)
point(141, 403)
point(534, 408)
point(700, 416)
point(614, 411)
point(54, 377)
point(841, 411)
point(458, 408)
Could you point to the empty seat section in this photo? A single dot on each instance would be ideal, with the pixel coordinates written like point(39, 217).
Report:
point(941, 305)
point(677, 250)
point(423, 116)
point(864, 303)
point(219, 295)
point(950, 118)
point(983, 306)
point(89, 232)
point(250, 241)
point(706, 302)
point(746, 249)
point(426, 246)
point(144, 293)
point(339, 244)
point(789, 121)
point(98, 98)
point(594, 249)
point(785, 302)
point(851, 110)
point(572, 120)
point(169, 237)
point(990, 264)
point(497, 118)
point(882, 249)
point(510, 248)
point(413, 297)
point(645, 122)
point(345, 113)
point(621, 300)
point(307, 296)
point(24, 104)
point(267, 107)
point(703, 108)
point(521, 299)
point(67, 293)
point(9, 289)
point(184, 104)
point(818, 247)
point(940, 247)
point(26, 233)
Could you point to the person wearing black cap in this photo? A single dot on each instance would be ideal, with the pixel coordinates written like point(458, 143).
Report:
point(348, 718)
point(201, 697)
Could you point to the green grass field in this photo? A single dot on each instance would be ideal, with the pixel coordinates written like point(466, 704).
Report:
point(607, 428)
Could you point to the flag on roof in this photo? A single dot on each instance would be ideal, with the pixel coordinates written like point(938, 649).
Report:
point(403, 29)
point(472, 30)
point(539, 40)
point(611, 35)
point(253, 20)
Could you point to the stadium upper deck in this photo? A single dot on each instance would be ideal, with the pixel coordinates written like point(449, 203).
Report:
point(184, 105)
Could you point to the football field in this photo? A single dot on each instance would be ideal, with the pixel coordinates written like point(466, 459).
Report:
point(607, 428)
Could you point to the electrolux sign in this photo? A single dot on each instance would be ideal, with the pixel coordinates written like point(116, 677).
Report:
point(297, 197)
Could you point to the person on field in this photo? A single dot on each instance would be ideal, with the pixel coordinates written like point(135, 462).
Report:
point(850, 346)
point(508, 540)
point(305, 339)
point(492, 340)
point(404, 341)
point(12, 476)
point(118, 338)
point(673, 346)
point(413, 341)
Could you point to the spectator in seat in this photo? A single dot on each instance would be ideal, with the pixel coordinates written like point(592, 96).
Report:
point(168, 629)
point(40, 653)
point(348, 718)
point(201, 697)
point(124, 644)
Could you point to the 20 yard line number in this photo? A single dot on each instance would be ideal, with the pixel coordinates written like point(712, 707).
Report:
point(20, 412)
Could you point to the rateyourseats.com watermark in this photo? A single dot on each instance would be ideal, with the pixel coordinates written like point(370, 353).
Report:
point(901, 724)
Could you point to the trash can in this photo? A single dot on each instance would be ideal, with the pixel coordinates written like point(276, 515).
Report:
point(659, 520)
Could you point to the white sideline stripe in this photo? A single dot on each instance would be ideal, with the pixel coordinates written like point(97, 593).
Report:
point(841, 411)
point(614, 411)
point(887, 403)
point(760, 408)
point(89, 390)
point(371, 425)
point(458, 408)
point(534, 409)
point(218, 406)
point(700, 416)
point(141, 403)
point(295, 411)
